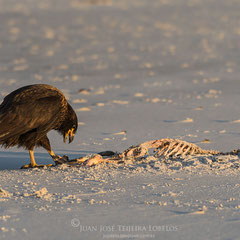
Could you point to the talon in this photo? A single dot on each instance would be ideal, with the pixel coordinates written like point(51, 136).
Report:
point(60, 160)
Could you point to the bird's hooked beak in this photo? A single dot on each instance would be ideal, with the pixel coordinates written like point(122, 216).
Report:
point(69, 135)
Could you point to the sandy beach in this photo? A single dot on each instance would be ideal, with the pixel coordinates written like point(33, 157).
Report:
point(133, 71)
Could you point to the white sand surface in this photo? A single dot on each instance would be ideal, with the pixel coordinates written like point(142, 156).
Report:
point(134, 71)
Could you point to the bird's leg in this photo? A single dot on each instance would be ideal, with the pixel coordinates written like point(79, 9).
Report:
point(44, 142)
point(52, 154)
point(57, 159)
point(33, 164)
point(32, 158)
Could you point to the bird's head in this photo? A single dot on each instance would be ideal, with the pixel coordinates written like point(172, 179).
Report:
point(70, 125)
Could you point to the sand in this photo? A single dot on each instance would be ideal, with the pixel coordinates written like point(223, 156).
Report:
point(133, 71)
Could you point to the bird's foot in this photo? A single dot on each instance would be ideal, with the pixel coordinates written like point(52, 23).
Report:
point(60, 160)
point(26, 166)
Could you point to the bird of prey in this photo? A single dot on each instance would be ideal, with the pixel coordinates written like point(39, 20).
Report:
point(29, 113)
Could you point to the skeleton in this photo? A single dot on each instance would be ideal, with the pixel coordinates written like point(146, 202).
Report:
point(166, 147)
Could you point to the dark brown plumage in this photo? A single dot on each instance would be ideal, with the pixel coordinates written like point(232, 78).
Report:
point(29, 113)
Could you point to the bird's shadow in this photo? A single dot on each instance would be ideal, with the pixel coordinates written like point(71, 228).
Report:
point(14, 160)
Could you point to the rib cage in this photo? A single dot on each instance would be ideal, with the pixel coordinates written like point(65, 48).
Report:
point(166, 147)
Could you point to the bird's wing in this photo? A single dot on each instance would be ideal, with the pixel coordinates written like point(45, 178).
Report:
point(21, 117)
